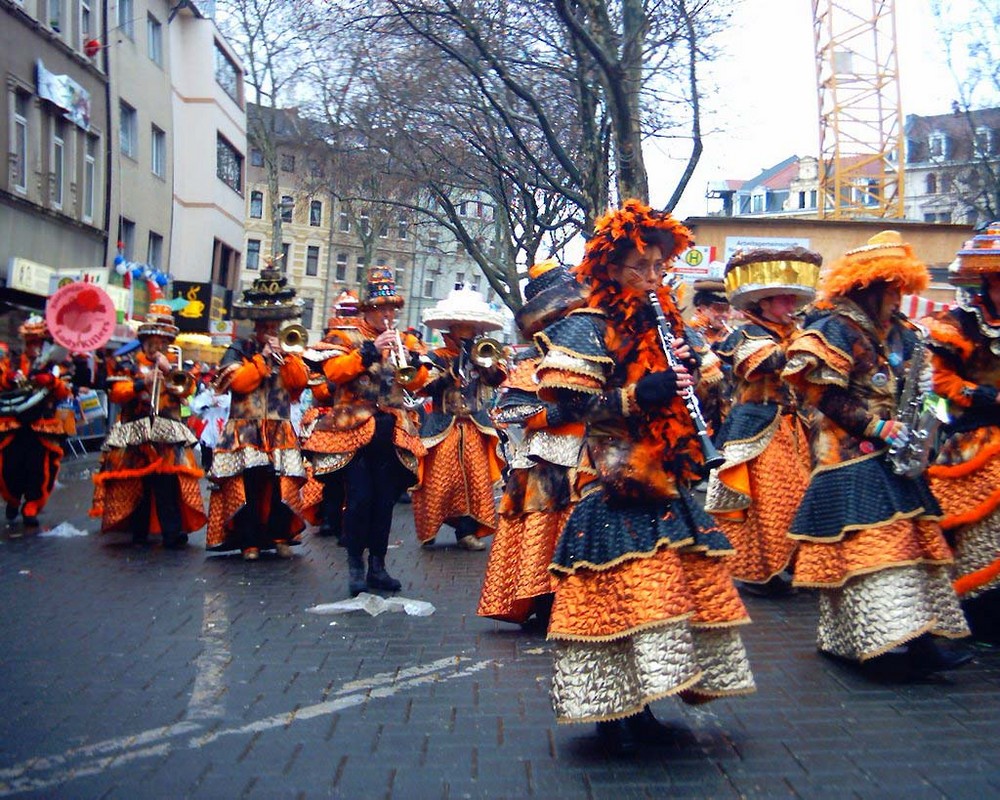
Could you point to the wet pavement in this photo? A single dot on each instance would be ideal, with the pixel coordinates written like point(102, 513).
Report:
point(133, 672)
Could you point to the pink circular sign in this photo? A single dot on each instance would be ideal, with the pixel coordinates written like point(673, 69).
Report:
point(81, 317)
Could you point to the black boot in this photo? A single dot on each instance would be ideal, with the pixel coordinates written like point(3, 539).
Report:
point(175, 540)
point(616, 738)
point(926, 656)
point(646, 728)
point(378, 578)
point(13, 509)
point(356, 573)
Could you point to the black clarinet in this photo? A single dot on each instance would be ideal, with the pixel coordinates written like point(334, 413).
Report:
point(713, 458)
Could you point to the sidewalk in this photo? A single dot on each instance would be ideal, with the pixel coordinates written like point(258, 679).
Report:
point(143, 673)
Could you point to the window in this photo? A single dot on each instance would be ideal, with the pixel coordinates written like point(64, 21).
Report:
point(89, 177)
point(400, 276)
point(802, 199)
point(475, 283)
point(308, 305)
point(345, 222)
point(459, 280)
point(20, 141)
point(287, 208)
point(937, 145)
point(463, 209)
point(128, 134)
point(154, 252)
point(126, 17)
point(58, 165)
point(429, 287)
point(813, 197)
point(126, 235)
point(315, 168)
point(365, 223)
point(312, 260)
point(947, 184)
point(359, 273)
point(253, 253)
point(55, 15)
point(758, 203)
point(383, 230)
point(226, 73)
point(256, 205)
point(256, 157)
point(341, 273)
point(154, 40)
point(158, 149)
point(228, 164)
point(401, 229)
point(287, 163)
point(316, 213)
point(286, 255)
point(86, 21)
point(931, 182)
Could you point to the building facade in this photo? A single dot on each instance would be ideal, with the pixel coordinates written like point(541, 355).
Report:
point(53, 194)
point(209, 149)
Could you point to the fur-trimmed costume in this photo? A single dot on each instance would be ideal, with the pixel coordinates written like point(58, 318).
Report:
point(965, 477)
point(869, 539)
point(31, 442)
point(462, 464)
point(644, 603)
point(148, 480)
point(755, 494)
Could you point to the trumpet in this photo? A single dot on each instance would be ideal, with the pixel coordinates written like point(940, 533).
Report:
point(399, 359)
point(486, 352)
point(291, 339)
point(175, 382)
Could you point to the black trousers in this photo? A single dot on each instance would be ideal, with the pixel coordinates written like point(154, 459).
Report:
point(252, 528)
point(373, 480)
point(332, 508)
point(24, 466)
point(166, 491)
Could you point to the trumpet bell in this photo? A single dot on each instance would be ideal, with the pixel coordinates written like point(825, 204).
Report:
point(406, 374)
point(486, 352)
point(293, 338)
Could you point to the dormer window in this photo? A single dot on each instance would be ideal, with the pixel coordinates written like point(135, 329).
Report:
point(986, 141)
point(937, 145)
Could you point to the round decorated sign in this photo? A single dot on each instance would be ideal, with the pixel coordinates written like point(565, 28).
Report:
point(81, 317)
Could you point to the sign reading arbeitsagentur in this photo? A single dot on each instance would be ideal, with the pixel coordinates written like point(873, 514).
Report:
point(734, 243)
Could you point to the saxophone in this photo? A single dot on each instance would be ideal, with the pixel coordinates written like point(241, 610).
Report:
point(921, 412)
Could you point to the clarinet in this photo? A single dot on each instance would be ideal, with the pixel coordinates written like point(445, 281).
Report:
point(713, 458)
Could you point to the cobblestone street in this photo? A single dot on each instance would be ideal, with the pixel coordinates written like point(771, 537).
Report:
point(135, 673)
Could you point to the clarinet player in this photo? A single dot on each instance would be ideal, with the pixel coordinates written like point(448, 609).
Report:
point(644, 607)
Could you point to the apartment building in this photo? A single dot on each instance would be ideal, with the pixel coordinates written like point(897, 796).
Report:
point(141, 165)
point(209, 149)
point(53, 197)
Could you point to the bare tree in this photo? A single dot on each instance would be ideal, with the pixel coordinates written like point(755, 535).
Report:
point(970, 31)
point(275, 40)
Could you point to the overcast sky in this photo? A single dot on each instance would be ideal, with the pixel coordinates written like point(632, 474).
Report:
point(765, 108)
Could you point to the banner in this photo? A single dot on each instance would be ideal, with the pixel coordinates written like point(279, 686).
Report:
point(66, 93)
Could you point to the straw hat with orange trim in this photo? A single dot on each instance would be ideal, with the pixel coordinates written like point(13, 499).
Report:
point(979, 257)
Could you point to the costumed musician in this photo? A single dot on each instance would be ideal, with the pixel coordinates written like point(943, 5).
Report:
point(644, 607)
point(147, 481)
point(711, 320)
point(458, 431)
point(764, 439)
point(965, 476)
point(543, 452)
point(31, 434)
point(256, 463)
point(869, 538)
point(367, 432)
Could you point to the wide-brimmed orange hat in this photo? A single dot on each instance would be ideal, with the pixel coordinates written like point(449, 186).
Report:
point(885, 257)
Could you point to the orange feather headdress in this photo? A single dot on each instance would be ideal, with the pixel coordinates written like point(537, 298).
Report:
point(886, 257)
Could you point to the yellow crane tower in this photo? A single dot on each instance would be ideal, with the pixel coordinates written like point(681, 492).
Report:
point(860, 116)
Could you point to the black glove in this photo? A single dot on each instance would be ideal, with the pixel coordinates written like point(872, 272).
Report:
point(656, 389)
point(369, 354)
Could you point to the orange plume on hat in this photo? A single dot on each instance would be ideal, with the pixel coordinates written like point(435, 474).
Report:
point(885, 257)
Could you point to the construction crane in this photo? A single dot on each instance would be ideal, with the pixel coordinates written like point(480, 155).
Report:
point(861, 138)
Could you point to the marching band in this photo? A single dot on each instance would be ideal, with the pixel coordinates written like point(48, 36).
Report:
point(852, 452)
